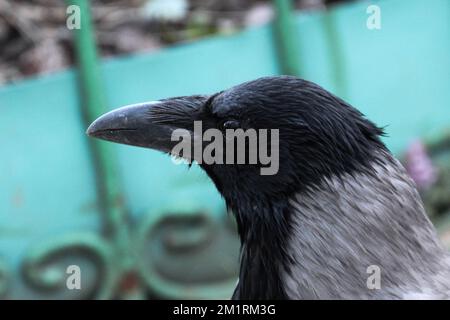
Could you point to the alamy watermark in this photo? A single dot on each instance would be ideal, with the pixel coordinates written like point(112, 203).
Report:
point(373, 21)
point(73, 20)
point(234, 146)
point(374, 280)
point(73, 281)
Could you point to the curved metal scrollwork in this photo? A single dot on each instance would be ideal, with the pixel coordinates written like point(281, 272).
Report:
point(45, 267)
point(187, 255)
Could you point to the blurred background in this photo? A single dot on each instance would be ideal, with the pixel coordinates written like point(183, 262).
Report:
point(136, 225)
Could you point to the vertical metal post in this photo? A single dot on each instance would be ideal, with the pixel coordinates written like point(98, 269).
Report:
point(286, 38)
point(93, 104)
point(336, 56)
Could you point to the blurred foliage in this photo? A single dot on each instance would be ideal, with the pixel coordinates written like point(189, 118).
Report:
point(34, 38)
point(429, 166)
point(437, 197)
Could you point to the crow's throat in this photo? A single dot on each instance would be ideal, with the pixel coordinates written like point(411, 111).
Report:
point(264, 232)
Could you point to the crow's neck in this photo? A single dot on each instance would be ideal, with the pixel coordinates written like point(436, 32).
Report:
point(320, 242)
point(264, 230)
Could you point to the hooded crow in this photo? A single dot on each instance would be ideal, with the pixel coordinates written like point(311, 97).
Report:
point(340, 219)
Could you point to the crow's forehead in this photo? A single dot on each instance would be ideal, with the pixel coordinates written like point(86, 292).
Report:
point(229, 102)
point(249, 96)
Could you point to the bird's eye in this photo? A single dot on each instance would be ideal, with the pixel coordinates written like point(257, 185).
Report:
point(231, 124)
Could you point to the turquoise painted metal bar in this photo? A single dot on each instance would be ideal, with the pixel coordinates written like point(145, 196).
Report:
point(335, 54)
point(286, 37)
point(110, 199)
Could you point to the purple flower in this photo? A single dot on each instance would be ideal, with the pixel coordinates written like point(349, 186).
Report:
point(419, 165)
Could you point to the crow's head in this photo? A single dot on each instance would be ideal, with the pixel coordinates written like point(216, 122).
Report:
point(319, 134)
point(319, 137)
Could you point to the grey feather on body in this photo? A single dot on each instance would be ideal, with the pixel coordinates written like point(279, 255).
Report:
point(354, 221)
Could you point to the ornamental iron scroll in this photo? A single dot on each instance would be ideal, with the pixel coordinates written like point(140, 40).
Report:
point(44, 267)
point(188, 255)
point(178, 255)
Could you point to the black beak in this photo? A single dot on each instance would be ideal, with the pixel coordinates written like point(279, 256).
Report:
point(148, 125)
